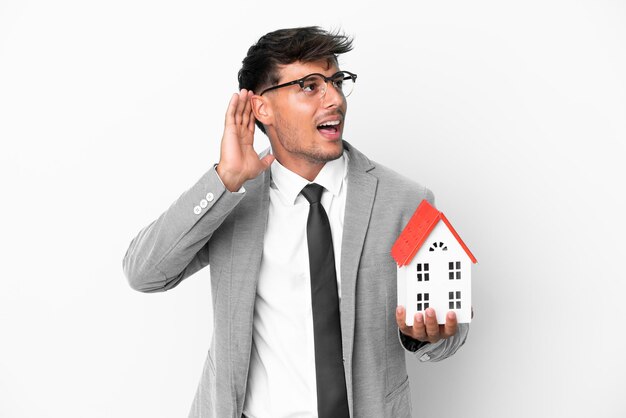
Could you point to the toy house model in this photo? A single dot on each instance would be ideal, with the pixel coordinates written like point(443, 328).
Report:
point(434, 267)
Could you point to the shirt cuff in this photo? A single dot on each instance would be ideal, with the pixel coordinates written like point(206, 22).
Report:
point(411, 344)
point(422, 349)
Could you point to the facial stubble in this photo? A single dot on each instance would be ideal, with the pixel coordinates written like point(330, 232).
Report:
point(288, 137)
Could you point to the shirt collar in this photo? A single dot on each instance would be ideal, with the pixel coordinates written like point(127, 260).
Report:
point(290, 184)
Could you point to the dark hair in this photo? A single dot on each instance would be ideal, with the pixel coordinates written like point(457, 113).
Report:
point(286, 46)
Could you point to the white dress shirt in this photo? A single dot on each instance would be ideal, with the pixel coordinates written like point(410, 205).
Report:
point(281, 379)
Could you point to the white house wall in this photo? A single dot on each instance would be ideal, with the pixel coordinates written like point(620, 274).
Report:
point(439, 286)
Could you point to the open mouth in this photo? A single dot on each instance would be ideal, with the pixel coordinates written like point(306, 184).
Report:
point(330, 127)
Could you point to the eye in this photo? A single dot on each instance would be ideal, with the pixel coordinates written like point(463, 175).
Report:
point(340, 80)
point(311, 85)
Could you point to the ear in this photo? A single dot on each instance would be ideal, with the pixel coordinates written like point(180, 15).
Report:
point(262, 109)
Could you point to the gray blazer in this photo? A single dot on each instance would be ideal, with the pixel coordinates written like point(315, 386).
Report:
point(228, 235)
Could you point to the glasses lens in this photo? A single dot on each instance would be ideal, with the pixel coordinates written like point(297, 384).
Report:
point(344, 83)
point(315, 85)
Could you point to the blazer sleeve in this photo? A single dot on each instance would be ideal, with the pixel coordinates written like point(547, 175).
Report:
point(173, 246)
point(438, 351)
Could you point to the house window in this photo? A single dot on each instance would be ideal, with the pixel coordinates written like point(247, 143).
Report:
point(454, 300)
point(422, 301)
point(423, 272)
point(454, 270)
point(438, 245)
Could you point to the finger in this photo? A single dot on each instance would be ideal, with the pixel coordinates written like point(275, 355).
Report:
point(241, 104)
point(401, 321)
point(401, 317)
point(251, 123)
point(451, 324)
point(230, 111)
point(247, 110)
point(432, 327)
point(419, 329)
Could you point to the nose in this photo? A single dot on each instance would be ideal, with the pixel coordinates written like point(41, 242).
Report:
point(331, 96)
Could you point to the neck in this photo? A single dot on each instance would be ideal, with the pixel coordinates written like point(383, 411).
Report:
point(301, 166)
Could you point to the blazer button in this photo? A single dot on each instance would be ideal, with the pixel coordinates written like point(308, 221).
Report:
point(210, 197)
point(197, 210)
point(203, 203)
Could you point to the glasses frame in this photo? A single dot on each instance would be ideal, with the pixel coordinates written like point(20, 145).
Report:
point(301, 81)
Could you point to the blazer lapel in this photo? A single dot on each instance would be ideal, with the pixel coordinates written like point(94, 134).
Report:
point(359, 203)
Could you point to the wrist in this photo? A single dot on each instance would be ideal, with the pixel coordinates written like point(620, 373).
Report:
point(231, 180)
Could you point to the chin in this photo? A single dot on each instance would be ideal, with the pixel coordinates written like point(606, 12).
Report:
point(330, 152)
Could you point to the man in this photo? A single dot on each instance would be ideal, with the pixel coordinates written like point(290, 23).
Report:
point(303, 284)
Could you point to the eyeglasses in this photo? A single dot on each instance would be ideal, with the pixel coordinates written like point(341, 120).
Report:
point(314, 84)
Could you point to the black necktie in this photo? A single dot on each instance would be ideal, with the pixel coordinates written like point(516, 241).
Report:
point(332, 400)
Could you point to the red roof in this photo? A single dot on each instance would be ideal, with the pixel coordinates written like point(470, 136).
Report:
point(417, 231)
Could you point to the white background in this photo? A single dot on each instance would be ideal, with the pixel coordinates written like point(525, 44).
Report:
point(513, 113)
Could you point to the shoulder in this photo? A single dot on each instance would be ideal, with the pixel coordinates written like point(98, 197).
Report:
point(390, 179)
point(397, 189)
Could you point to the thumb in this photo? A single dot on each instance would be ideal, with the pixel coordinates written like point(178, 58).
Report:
point(263, 164)
point(267, 161)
